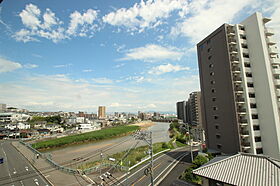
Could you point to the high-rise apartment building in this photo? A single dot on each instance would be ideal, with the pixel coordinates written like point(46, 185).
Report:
point(195, 108)
point(239, 70)
point(182, 110)
point(3, 107)
point(101, 112)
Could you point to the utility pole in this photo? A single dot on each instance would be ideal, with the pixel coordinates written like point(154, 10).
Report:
point(147, 137)
point(101, 163)
point(190, 141)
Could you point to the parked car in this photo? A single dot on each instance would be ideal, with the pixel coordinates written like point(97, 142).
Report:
point(1, 160)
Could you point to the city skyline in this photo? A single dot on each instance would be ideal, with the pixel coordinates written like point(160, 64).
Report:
point(128, 56)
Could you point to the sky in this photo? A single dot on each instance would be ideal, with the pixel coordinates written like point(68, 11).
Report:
point(127, 55)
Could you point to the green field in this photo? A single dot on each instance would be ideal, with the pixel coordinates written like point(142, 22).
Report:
point(85, 137)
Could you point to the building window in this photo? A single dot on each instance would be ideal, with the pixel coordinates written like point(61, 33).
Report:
point(219, 146)
point(249, 74)
point(209, 49)
point(252, 95)
point(243, 37)
point(215, 108)
point(209, 57)
point(212, 82)
point(217, 126)
point(247, 64)
point(213, 90)
point(211, 65)
point(244, 45)
point(253, 105)
point(245, 55)
point(255, 116)
point(212, 73)
point(259, 151)
point(256, 127)
point(250, 85)
point(215, 117)
point(214, 99)
point(218, 136)
point(258, 139)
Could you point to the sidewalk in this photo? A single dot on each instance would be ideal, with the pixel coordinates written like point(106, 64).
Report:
point(55, 177)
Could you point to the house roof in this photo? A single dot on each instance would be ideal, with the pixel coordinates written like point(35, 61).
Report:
point(243, 169)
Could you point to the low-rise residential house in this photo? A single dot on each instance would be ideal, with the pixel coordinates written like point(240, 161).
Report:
point(9, 117)
point(54, 128)
point(43, 131)
point(87, 127)
point(13, 126)
point(242, 169)
point(80, 119)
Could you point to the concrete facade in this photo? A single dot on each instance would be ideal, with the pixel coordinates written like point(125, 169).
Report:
point(240, 80)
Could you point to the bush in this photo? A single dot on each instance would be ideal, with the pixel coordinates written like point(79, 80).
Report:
point(164, 146)
point(199, 160)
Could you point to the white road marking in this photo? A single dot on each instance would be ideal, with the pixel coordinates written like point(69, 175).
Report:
point(36, 181)
point(21, 183)
point(47, 176)
point(15, 171)
point(26, 168)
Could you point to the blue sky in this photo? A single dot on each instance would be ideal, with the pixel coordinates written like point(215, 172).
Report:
point(127, 55)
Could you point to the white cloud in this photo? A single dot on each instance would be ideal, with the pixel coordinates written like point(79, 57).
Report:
point(120, 105)
point(143, 15)
point(8, 66)
point(63, 65)
point(30, 16)
point(49, 19)
point(102, 80)
point(161, 69)
point(207, 15)
point(48, 26)
point(152, 53)
point(81, 20)
point(24, 36)
point(28, 65)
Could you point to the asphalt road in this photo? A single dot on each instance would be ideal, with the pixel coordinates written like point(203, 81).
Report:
point(162, 165)
point(16, 169)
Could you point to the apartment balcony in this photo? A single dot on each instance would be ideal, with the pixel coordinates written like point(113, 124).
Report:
point(277, 93)
point(268, 31)
point(245, 50)
point(237, 80)
point(233, 51)
point(252, 100)
point(246, 60)
point(277, 81)
point(243, 41)
point(241, 32)
point(272, 50)
point(255, 122)
point(266, 20)
point(239, 90)
point(251, 90)
point(232, 42)
point(254, 111)
point(245, 144)
point(250, 80)
point(240, 101)
point(244, 134)
point(275, 61)
point(258, 144)
point(257, 133)
point(276, 71)
point(270, 41)
point(248, 69)
point(236, 70)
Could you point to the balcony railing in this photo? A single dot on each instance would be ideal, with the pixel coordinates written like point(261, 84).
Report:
point(276, 71)
point(269, 31)
point(272, 51)
point(275, 61)
point(270, 41)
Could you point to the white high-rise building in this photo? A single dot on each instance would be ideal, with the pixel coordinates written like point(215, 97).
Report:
point(240, 83)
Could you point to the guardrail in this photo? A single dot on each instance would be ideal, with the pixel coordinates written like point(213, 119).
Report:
point(50, 161)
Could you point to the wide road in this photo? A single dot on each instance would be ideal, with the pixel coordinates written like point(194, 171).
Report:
point(16, 169)
point(162, 165)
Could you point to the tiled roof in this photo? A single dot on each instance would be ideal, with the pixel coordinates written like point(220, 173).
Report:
point(244, 170)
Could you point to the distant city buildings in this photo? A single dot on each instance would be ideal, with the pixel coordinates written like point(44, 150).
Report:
point(101, 112)
point(239, 69)
point(2, 107)
point(190, 111)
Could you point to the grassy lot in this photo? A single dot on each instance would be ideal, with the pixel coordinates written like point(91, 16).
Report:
point(85, 137)
point(135, 155)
